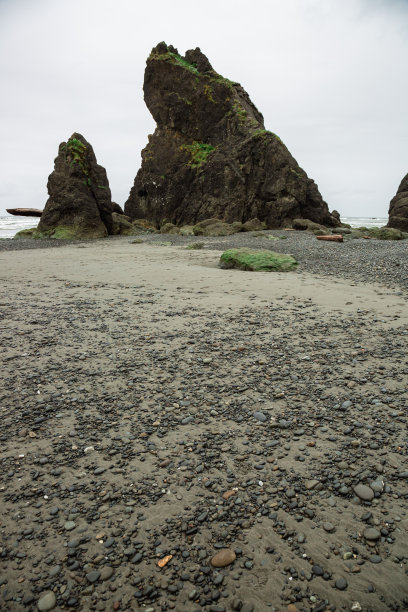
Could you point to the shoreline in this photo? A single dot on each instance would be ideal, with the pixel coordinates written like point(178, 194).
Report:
point(157, 405)
point(374, 261)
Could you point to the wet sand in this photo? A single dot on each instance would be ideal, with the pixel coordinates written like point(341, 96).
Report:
point(157, 405)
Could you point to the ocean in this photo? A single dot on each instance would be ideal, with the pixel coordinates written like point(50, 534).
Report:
point(10, 225)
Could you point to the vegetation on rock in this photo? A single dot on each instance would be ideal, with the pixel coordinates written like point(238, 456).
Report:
point(257, 260)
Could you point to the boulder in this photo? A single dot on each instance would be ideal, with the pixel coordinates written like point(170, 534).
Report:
point(398, 210)
point(211, 156)
point(253, 225)
point(306, 224)
point(79, 203)
point(215, 227)
point(117, 209)
point(386, 233)
point(169, 228)
point(257, 260)
point(143, 225)
point(122, 225)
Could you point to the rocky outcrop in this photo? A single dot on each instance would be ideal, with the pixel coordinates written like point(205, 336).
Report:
point(211, 156)
point(79, 203)
point(398, 211)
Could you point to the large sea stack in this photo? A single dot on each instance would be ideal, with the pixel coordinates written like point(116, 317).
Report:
point(79, 203)
point(210, 155)
point(398, 211)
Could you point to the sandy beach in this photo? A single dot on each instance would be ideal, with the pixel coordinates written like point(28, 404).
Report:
point(154, 405)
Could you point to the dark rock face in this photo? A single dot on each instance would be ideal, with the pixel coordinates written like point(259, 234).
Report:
point(210, 155)
point(79, 203)
point(398, 211)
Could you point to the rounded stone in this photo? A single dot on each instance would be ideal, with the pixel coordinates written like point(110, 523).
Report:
point(341, 584)
point(259, 416)
point(93, 576)
point(106, 572)
point(363, 492)
point(371, 534)
point(69, 525)
point(329, 527)
point(47, 601)
point(224, 557)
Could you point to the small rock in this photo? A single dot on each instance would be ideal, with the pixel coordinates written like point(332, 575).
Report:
point(341, 584)
point(224, 557)
point(260, 416)
point(363, 492)
point(47, 601)
point(69, 526)
point(371, 534)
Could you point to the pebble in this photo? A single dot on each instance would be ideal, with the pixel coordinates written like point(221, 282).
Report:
point(69, 525)
point(341, 584)
point(106, 572)
point(93, 576)
point(47, 601)
point(370, 533)
point(223, 558)
point(363, 492)
point(260, 416)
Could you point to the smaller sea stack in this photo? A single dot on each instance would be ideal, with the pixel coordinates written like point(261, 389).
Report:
point(80, 203)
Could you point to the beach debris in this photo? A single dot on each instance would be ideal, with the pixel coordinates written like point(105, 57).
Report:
point(164, 561)
point(25, 212)
point(331, 238)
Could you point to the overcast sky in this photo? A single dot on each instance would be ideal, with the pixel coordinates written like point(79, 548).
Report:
point(329, 76)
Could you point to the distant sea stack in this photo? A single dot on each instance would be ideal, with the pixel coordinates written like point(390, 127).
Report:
point(79, 203)
point(398, 211)
point(210, 155)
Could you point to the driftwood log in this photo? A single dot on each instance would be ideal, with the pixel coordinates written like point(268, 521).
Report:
point(25, 212)
point(331, 238)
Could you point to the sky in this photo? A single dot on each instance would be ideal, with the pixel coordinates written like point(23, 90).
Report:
point(329, 77)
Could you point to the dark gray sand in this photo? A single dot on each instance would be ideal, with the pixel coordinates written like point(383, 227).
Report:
point(155, 405)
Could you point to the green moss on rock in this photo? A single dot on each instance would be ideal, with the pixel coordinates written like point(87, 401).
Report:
point(26, 233)
point(386, 233)
point(61, 233)
point(257, 260)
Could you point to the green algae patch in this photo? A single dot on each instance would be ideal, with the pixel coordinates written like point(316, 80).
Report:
point(386, 233)
point(61, 233)
point(26, 233)
point(257, 260)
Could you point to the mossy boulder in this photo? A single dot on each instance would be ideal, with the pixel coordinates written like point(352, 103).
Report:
point(307, 224)
point(253, 225)
point(386, 233)
point(257, 260)
point(169, 228)
point(215, 227)
point(26, 233)
point(144, 226)
point(61, 232)
point(187, 230)
point(122, 225)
